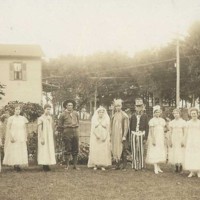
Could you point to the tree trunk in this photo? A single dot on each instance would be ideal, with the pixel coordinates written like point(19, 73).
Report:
point(160, 100)
point(193, 100)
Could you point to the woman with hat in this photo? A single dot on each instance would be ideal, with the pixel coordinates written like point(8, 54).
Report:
point(156, 152)
point(68, 126)
point(46, 149)
point(100, 147)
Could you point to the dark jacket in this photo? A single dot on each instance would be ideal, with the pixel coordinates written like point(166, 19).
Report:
point(143, 126)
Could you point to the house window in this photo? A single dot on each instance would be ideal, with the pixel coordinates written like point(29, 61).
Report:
point(18, 71)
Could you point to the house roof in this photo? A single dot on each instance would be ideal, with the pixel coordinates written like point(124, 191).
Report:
point(15, 50)
point(48, 87)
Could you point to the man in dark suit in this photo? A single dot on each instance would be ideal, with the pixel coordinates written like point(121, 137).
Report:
point(139, 131)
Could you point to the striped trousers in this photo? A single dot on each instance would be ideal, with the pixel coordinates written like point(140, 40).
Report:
point(137, 150)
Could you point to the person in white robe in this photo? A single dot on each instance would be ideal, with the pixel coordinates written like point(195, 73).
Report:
point(15, 148)
point(46, 148)
point(192, 144)
point(0, 141)
point(100, 147)
point(176, 149)
point(156, 151)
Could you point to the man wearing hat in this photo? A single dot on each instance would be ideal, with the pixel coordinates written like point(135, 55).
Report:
point(139, 131)
point(68, 126)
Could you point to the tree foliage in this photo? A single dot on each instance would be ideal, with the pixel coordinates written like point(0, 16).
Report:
point(150, 73)
point(2, 90)
point(30, 110)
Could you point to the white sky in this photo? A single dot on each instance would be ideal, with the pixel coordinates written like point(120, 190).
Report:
point(83, 27)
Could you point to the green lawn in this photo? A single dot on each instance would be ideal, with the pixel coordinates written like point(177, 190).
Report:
point(33, 184)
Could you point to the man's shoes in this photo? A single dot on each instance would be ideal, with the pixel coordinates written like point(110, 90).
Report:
point(117, 168)
point(66, 167)
point(76, 168)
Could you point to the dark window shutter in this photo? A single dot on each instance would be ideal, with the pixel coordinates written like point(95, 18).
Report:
point(24, 73)
point(11, 72)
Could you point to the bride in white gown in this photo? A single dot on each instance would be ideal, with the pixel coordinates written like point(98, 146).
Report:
point(100, 147)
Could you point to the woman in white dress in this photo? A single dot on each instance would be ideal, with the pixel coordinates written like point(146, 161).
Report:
point(100, 147)
point(0, 141)
point(192, 144)
point(15, 148)
point(176, 140)
point(46, 148)
point(156, 152)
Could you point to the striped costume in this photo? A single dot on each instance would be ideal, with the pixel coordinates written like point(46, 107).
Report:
point(139, 132)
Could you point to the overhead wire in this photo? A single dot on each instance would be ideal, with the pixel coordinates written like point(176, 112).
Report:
point(142, 65)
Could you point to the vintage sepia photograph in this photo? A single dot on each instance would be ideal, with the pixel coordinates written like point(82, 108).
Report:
point(99, 100)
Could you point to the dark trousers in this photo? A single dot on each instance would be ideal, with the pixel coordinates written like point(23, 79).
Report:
point(71, 141)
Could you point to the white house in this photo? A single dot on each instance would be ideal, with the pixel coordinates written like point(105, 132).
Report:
point(21, 73)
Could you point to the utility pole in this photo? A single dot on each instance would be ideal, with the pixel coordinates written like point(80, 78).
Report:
point(177, 73)
point(95, 97)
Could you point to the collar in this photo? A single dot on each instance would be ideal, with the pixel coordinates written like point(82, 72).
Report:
point(67, 111)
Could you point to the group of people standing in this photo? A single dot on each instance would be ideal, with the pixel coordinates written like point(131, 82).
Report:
point(15, 147)
point(110, 139)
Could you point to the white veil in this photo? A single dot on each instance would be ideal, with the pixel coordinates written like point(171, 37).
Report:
point(95, 117)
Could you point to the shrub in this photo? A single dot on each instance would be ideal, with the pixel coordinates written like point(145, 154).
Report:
point(84, 153)
point(30, 110)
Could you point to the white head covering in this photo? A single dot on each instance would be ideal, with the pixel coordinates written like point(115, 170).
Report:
point(105, 118)
point(156, 108)
point(117, 102)
point(105, 121)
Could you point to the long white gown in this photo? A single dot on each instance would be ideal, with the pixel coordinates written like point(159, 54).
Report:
point(16, 153)
point(100, 149)
point(157, 153)
point(46, 152)
point(192, 147)
point(176, 152)
point(1, 134)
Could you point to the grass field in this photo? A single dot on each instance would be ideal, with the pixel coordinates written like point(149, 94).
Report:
point(87, 184)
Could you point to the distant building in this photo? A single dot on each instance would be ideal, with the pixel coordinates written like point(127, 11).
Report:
point(21, 73)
